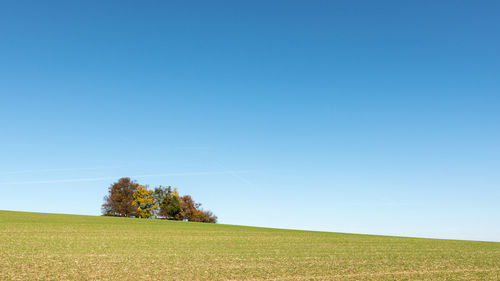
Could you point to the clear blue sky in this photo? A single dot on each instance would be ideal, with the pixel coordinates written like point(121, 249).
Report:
point(375, 117)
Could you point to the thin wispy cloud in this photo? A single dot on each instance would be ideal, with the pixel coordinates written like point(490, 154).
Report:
point(53, 181)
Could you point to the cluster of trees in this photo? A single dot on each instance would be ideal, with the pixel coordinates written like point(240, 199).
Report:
point(127, 198)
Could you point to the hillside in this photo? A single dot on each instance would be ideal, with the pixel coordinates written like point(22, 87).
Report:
point(37, 246)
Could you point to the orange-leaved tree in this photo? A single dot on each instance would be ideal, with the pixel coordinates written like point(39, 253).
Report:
point(192, 211)
point(119, 200)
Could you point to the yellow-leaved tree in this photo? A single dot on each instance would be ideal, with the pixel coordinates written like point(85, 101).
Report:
point(144, 200)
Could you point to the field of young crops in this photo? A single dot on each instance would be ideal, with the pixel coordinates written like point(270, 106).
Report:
point(69, 247)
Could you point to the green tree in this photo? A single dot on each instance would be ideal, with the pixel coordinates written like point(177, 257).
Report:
point(174, 209)
point(118, 202)
point(144, 200)
point(164, 199)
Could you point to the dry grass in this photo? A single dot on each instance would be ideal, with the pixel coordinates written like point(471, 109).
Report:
point(68, 247)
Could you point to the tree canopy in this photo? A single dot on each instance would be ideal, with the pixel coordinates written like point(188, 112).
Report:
point(145, 202)
point(119, 201)
point(127, 198)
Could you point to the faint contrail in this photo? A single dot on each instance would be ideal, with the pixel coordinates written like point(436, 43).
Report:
point(116, 177)
point(233, 174)
point(56, 170)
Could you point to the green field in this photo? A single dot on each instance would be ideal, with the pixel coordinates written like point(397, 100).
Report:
point(37, 246)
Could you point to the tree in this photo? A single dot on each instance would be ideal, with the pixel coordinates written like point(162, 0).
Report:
point(119, 201)
point(192, 212)
point(189, 207)
point(144, 200)
point(168, 202)
point(164, 199)
point(127, 198)
point(174, 209)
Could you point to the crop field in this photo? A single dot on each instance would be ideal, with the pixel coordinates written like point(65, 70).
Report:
point(37, 246)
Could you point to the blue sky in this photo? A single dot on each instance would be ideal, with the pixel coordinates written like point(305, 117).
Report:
point(367, 117)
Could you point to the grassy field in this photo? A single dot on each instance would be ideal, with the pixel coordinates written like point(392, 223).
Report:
point(69, 247)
